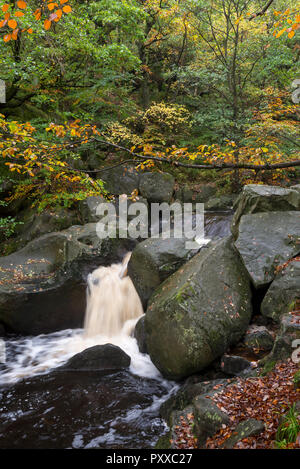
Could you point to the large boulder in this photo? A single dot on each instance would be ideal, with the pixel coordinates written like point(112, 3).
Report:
point(42, 286)
point(155, 259)
point(121, 180)
point(157, 187)
point(262, 198)
point(106, 357)
point(198, 312)
point(267, 240)
point(200, 193)
point(283, 292)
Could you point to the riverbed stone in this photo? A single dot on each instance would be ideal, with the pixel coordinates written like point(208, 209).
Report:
point(257, 198)
point(107, 357)
point(267, 240)
point(283, 292)
point(233, 365)
point(258, 338)
point(121, 180)
point(140, 335)
point(157, 187)
point(198, 312)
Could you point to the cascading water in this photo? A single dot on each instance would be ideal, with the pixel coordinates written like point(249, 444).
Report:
point(111, 301)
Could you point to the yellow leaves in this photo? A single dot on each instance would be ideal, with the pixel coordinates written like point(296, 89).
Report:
point(238, 20)
point(265, 150)
point(280, 33)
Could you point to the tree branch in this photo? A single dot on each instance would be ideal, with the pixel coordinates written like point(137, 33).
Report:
point(263, 11)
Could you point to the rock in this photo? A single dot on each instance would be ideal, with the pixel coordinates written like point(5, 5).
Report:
point(42, 286)
point(2, 330)
point(284, 345)
point(187, 392)
point(34, 224)
point(233, 365)
point(121, 180)
point(262, 198)
point(198, 312)
point(244, 429)
point(224, 202)
point(208, 418)
point(157, 187)
point(267, 240)
point(201, 193)
point(88, 208)
point(106, 357)
point(154, 260)
point(283, 292)
point(258, 337)
point(140, 336)
point(296, 187)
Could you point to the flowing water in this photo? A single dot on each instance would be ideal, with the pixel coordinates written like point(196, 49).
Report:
point(43, 408)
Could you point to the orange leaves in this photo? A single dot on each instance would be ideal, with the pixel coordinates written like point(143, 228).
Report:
point(22, 5)
point(57, 9)
point(67, 9)
point(290, 19)
point(12, 24)
point(47, 24)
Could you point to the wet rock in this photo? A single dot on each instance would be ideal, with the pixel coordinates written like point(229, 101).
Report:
point(157, 187)
point(42, 286)
point(244, 429)
point(198, 312)
point(258, 337)
point(283, 292)
point(257, 198)
point(233, 365)
point(267, 240)
point(140, 335)
point(154, 260)
point(106, 357)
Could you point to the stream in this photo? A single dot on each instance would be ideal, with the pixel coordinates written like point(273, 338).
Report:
point(42, 407)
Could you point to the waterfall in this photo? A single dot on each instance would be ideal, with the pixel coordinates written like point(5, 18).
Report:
point(112, 301)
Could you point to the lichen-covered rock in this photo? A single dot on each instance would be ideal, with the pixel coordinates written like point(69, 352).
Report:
point(157, 187)
point(208, 418)
point(258, 338)
point(42, 286)
point(262, 198)
point(155, 259)
point(267, 240)
point(244, 429)
point(283, 292)
point(224, 202)
point(198, 312)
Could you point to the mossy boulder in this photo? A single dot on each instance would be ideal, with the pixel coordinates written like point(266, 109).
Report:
point(198, 312)
point(267, 240)
point(283, 292)
point(257, 198)
point(244, 429)
point(157, 187)
point(154, 260)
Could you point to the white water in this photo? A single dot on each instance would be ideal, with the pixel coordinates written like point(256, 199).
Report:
point(113, 308)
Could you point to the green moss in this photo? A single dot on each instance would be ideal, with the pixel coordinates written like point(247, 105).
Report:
point(164, 442)
point(268, 367)
point(296, 380)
